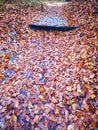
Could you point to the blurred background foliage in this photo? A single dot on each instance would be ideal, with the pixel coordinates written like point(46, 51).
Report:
point(24, 1)
point(29, 3)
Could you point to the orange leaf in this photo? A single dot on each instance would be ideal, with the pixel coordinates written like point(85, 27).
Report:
point(87, 86)
point(16, 103)
point(14, 118)
point(54, 100)
point(1, 76)
point(41, 96)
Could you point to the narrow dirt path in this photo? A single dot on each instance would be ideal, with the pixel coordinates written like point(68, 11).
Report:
point(57, 6)
point(51, 15)
point(48, 80)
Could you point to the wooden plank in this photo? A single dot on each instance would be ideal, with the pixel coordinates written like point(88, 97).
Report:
point(51, 28)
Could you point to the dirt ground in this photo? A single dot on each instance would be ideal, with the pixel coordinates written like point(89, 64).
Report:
point(49, 80)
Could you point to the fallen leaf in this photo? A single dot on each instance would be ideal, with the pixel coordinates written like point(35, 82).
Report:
point(83, 54)
point(14, 118)
point(92, 75)
point(41, 96)
point(93, 96)
point(54, 100)
point(1, 76)
point(87, 86)
point(16, 103)
point(30, 105)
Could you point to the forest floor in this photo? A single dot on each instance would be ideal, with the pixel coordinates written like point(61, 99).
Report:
point(49, 80)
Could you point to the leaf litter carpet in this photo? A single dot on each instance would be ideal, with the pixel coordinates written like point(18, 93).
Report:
point(48, 80)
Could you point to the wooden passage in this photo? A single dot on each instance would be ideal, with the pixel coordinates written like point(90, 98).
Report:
point(51, 28)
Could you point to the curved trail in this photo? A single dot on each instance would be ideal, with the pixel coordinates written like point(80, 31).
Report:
point(50, 16)
point(47, 79)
